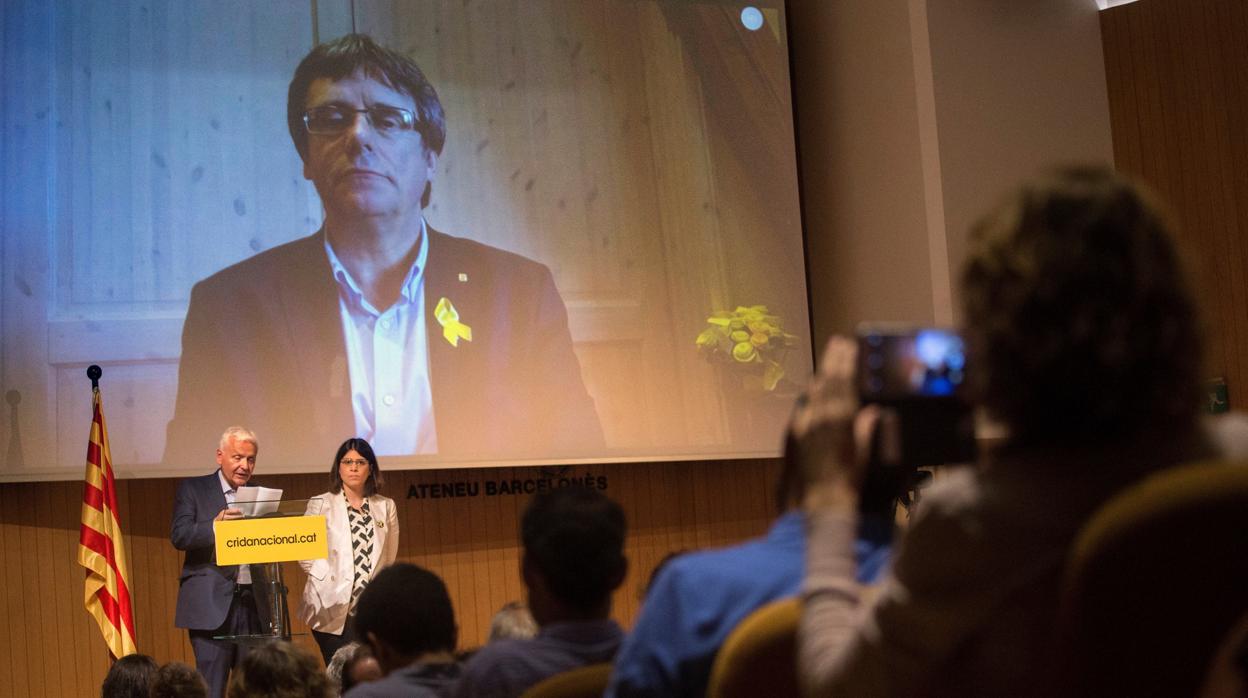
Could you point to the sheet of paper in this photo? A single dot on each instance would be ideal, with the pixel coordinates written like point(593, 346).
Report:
point(257, 501)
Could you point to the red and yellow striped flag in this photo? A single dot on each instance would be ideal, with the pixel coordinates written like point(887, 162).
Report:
point(100, 547)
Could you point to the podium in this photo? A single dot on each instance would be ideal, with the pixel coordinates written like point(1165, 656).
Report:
point(270, 533)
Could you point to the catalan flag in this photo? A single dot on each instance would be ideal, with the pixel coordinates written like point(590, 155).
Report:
point(100, 547)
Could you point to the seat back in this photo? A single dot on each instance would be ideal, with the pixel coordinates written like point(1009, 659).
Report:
point(583, 682)
point(759, 658)
point(1155, 580)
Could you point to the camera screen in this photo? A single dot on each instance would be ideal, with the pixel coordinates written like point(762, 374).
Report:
point(918, 363)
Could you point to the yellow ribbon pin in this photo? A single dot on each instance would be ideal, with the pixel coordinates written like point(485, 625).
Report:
point(448, 318)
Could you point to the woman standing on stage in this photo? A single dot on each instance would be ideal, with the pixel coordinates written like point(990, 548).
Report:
point(363, 531)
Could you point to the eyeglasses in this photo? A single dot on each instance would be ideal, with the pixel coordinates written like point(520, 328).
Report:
point(354, 462)
point(332, 120)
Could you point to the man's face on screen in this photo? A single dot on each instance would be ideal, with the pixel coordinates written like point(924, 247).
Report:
point(364, 171)
point(237, 460)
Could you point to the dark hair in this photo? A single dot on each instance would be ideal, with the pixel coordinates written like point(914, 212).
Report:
point(344, 56)
point(129, 677)
point(409, 609)
point(574, 536)
point(371, 486)
point(1079, 322)
point(278, 669)
point(177, 680)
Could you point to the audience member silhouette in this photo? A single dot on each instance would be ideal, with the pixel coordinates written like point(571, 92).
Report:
point(573, 560)
point(177, 680)
point(405, 617)
point(1083, 344)
point(278, 669)
point(129, 677)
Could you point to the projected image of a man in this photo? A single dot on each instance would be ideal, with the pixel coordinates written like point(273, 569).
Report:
point(379, 325)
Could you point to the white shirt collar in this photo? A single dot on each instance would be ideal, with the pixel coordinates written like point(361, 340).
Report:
point(411, 283)
point(225, 484)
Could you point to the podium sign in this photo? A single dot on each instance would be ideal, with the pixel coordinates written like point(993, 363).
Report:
point(279, 539)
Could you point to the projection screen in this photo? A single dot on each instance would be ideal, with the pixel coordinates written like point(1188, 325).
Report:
point(614, 266)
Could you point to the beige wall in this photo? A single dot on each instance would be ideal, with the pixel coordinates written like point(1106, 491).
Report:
point(913, 117)
point(1019, 86)
point(861, 167)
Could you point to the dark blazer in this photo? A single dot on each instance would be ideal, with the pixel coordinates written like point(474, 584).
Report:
point(263, 346)
point(204, 589)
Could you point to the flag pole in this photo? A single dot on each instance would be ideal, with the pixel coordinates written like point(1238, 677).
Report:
point(94, 372)
point(101, 548)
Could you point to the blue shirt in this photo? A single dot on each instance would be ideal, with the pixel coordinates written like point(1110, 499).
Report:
point(388, 361)
point(698, 599)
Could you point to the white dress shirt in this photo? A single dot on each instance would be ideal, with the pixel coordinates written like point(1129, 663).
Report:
point(244, 571)
point(388, 361)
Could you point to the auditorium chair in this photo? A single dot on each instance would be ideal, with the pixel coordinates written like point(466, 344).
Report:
point(1155, 582)
point(759, 658)
point(583, 682)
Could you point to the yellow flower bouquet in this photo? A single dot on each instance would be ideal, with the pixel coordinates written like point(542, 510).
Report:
point(750, 340)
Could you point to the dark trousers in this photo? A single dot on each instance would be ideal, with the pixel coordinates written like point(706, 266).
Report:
point(330, 644)
point(215, 658)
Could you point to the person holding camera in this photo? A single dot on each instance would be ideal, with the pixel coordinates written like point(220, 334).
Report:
point(1083, 344)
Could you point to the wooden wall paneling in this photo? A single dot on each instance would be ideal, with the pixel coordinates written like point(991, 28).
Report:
point(58, 616)
point(8, 570)
point(44, 615)
point(646, 531)
point(1229, 23)
point(1177, 75)
point(718, 504)
point(1210, 208)
point(737, 500)
point(633, 493)
point(511, 549)
point(625, 489)
point(457, 537)
point(154, 582)
point(75, 646)
point(741, 501)
point(475, 515)
point(429, 550)
point(16, 628)
point(498, 535)
point(658, 503)
point(723, 506)
point(1124, 124)
point(472, 543)
point(30, 586)
point(6, 563)
point(646, 536)
point(681, 485)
